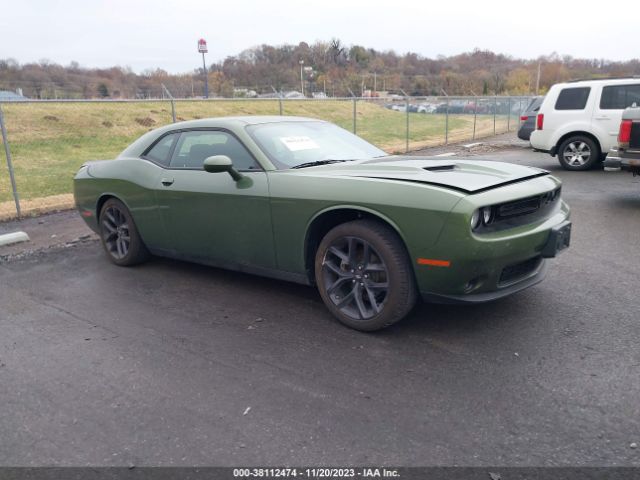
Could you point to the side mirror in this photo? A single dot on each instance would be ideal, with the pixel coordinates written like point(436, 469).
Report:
point(221, 163)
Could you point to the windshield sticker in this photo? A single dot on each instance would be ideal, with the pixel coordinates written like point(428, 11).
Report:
point(299, 143)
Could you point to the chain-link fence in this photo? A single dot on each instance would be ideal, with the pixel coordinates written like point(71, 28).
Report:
point(47, 141)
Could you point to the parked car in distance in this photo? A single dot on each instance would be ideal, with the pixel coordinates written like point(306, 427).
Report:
point(427, 108)
point(528, 118)
point(578, 121)
point(452, 107)
point(627, 154)
point(303, 200)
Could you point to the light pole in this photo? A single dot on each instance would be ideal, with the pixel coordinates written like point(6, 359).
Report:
point(202, 48)
point(301, 80)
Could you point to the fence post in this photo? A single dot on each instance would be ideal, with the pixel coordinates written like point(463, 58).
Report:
point(173, 105)
point(509, 115)
point(7, 152)
point(446, 124)
point(495, 111)
point(354, 109)
point(355, 113)
point(406, 147)
point(475, 116)
point(279, 99)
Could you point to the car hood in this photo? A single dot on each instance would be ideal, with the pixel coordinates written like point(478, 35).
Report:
point(467, 176)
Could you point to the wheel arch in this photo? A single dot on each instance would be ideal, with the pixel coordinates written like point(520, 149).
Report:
point(329, 218)
point(102, 199)
point(106, 196)
point(578, 133)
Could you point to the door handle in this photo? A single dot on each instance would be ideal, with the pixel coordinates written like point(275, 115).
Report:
point(167, 182)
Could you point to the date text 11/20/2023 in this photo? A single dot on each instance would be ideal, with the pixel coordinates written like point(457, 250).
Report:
point(320, 472)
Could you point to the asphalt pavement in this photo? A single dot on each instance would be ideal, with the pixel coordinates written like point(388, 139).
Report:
point(171, 363)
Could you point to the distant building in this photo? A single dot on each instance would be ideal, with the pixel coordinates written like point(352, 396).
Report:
point(9, 96)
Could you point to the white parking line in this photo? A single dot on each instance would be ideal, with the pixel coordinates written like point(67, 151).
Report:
point(14, 237)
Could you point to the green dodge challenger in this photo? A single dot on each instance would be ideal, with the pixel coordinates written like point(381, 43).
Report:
point(304, 200)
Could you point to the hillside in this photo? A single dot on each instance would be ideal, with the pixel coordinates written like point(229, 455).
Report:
point(330, 67)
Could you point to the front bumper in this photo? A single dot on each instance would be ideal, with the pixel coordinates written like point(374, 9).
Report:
point(484, 267)
point(536, 277)
point(515, 277)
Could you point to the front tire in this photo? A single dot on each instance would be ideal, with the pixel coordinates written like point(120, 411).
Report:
point(119, 235)
point(578, 153)
point(364, 275)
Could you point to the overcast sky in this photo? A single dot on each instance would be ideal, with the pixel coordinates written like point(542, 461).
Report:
point(145, 34)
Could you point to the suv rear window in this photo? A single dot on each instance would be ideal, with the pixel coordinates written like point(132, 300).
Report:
point(619, 97)
point(573, 98)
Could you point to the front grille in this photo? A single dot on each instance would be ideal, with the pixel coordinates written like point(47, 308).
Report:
point(521, 212)
point(634, 141)
point(521, 207)
point(519, 271)
point(526, 206)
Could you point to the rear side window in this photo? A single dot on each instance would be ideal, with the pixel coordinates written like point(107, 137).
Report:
point(619, 97)
point(161, 151)
point(573, 98)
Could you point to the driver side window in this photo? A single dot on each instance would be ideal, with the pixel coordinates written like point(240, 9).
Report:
point(195, 146)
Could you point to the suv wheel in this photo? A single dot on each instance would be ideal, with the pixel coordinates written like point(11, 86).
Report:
point(578, 153)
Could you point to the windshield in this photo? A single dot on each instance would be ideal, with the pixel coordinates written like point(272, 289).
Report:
point(288, 144)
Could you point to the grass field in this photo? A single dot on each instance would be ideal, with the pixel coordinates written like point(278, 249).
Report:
point(49, 141)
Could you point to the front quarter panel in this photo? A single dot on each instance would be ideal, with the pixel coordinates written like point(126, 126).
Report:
point(417, 212)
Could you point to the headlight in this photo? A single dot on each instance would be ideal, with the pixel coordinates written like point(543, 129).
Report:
point(487, 215)
point(476, 218)
point(482, 216)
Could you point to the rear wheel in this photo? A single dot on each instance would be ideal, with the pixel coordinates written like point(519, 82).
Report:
point(578, 153)
point(119, 235)
point(364, 275)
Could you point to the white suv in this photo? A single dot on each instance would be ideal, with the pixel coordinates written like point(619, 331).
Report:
point(579, 121)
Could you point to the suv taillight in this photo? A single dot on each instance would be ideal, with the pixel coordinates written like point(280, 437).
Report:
point(540, 121)
point(524, 118)
point(624, 136)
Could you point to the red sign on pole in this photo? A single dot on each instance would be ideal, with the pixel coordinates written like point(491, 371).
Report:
point(202, 46)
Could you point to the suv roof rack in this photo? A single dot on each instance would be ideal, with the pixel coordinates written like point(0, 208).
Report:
point(628, 77)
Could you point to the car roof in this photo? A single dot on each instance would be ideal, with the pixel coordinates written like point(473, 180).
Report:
point(237, 121)
point(230, 123)
point(613, 81)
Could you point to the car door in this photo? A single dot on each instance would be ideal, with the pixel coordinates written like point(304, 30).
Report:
point(210, 217)
point(607, 113)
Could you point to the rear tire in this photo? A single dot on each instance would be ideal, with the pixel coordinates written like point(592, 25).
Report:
point(119, 235)
point(578, 153)
point(364, 275)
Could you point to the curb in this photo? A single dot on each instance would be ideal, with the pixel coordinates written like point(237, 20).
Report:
point(14, 237)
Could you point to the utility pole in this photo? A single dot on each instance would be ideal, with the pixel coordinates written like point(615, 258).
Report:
point(202, 48)
point(538, 80)
point(301, 80)
point(375, 82)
